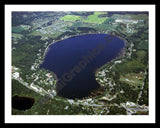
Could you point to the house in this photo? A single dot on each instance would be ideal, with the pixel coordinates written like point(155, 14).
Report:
point(48, 75)
point(66, 107)
point(130, 103)
point(126, 79)
point(139, 78)
point(16, 75)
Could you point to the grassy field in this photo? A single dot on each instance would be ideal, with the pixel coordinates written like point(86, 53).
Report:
point(95, 19)
point(90, 19)
point(132, 78)
point(70, 18)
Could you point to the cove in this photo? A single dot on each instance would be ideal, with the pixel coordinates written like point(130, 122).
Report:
point(75, 60)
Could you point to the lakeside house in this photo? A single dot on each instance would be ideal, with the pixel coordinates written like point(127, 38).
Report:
point(49, 75)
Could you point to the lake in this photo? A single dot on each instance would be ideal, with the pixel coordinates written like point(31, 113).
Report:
point(74, 61)
point(22, 103)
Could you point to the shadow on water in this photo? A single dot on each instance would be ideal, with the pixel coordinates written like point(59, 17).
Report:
point(22, 103)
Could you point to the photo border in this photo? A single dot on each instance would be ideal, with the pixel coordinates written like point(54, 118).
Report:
point(70, 118)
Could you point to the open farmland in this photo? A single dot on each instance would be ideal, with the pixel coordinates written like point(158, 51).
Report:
point(95, 19)
point(89, 19)
point(70, 18)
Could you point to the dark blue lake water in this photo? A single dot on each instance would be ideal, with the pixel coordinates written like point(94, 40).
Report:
point(75, 60)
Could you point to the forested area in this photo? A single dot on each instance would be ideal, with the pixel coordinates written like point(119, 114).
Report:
point(130, 75)
point(26, 52)
point(44, 105)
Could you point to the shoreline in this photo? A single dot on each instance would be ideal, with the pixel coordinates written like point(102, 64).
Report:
point(120, 55)
point(98, 69)
point(47, 49)
point(58, 41)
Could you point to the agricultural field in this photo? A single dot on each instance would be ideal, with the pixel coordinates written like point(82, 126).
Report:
point(95, 19)
point(70, 18)
point(88, 19)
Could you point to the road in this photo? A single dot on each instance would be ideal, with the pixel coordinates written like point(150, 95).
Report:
point(129, 108)
point(33, 87)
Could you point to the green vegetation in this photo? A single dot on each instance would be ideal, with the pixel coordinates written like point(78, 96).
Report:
point(131, 76)
point(132, 79)
point(141, 113)
point(124, 81)
point(130, 66)
point(70, 18)
point(20, 29)
point(144, 97)
point(44, 105)
point(40, 101)
point(16, 36)
point(130, 94)
point(98, 13)
point(143, 45)
point(17, 29)
point(95, 19)
point(25, 48)
point(137, 17)
point(114, 110)
point(136, 64)
point(90, 19)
